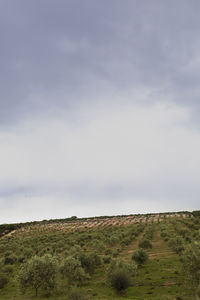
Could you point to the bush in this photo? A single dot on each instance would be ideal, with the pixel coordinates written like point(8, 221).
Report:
point(28, 253)
point(126, 241)
point(10, 260)
point(21, 259)
point(116, 252)
point(3, 280)
point(72, 269)
point(145, 244)
point(90, 261)
point(107, 259)
point(8, 269)
point(108, 252)
point(120, 280)
point(140, 256)
point(176, 243)
point(120, 273)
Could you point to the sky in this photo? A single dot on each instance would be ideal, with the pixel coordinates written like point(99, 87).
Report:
point(99, 108)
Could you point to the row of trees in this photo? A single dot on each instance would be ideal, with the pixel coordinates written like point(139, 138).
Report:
point(186, 243)
point(41, 273)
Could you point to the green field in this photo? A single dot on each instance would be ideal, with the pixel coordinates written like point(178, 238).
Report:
point(96, 244)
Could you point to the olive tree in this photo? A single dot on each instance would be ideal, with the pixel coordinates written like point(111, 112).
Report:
point(39, 273)
point(120, 274)
point(71, 268)
point(140, 256)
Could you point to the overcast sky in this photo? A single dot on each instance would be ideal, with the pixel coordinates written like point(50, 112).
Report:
point(99, 107)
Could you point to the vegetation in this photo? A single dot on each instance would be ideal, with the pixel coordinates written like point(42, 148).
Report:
point(154, 256)
point(140, 256)
point(120, 273)
point(38, 272)
point(191, 263)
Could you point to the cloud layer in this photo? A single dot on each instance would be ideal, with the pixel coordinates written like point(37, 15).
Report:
point(124, 156)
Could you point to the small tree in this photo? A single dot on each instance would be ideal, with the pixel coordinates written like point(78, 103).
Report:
point(120, 280)
point(176, 243)
point(120, 273)
point(38, 272)
point(72, 269)
point(140, 256)
point(145, 244)
point(90, 262)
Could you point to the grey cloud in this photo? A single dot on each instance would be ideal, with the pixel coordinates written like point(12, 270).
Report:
point(112, 46)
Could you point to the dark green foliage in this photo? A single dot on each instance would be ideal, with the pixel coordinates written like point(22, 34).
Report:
point(196, 213)
point(145, 243)
point(120, 280)
point(126, 241)
point(3, 280)
point(28, 252)
point(21, 259)
point(120, 273)
point(140, 256)
point(11, 259)
point(90, 261)
point(8, 269)
point(107, 259)
point(116, 252)
point(108, 251)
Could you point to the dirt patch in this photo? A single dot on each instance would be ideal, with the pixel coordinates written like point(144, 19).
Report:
point(168, 283)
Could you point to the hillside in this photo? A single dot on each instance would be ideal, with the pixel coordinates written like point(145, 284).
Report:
point(88, 252)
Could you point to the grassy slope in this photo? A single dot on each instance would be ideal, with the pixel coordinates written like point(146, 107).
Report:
point(160, 278)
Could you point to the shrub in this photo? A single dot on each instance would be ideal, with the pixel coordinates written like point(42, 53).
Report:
point(140, 256)
point(21, 259)
point(28, 252)
point(126, 241)
point(108, 252)
point(10, 260)
point(7, 253)
point(8, 269)
point(120, 280)
point(120, 273)
point(116, 252)
point(107, 259)
point(176, 243)
point(3, 280)
point(145, 244)
point(90, 261)
point(72, 269)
